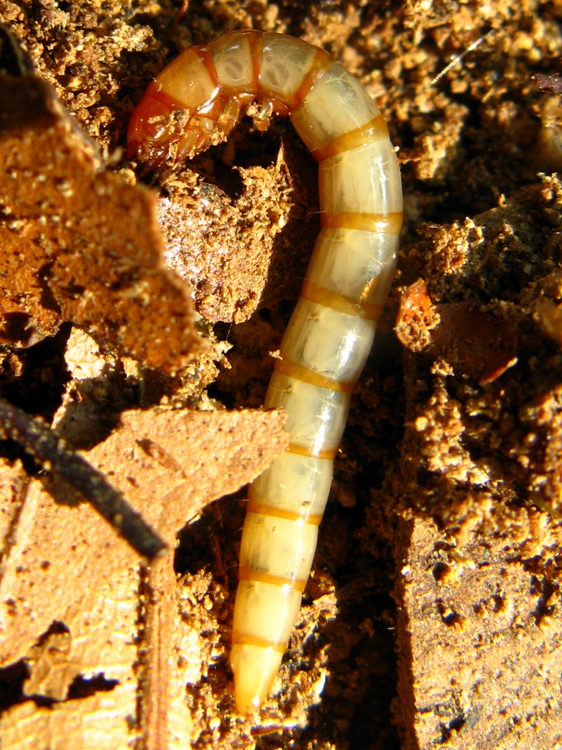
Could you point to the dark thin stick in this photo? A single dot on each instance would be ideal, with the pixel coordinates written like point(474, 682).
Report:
point(46, 447)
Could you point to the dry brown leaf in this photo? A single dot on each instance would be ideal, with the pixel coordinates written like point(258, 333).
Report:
point(81, 724)
point(169, 464)
point(79, 244)
point(67, 566)
point(12, 489)
point(475, 342)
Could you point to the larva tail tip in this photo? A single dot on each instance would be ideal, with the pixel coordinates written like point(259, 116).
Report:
point(255, 669)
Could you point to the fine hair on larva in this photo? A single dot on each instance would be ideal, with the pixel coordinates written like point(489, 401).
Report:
point(195, 102)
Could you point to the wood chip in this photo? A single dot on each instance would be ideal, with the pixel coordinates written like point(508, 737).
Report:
point(478, 629)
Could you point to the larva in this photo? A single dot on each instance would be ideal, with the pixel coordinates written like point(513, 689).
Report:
point(194, 102)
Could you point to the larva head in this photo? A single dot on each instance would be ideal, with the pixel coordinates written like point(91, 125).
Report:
point(177, 116)
point(162, 128)
point(152, 129)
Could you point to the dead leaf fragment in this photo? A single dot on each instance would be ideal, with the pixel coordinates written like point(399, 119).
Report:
point(69, 595)
point(47, 658)
point(78, 244)
point(60, 544)
point(50, 451)
point(157, 678)
point(80, 723)
point(13, 481)
point(473, 340)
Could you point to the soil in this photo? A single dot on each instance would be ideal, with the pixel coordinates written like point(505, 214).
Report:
point(433, 615)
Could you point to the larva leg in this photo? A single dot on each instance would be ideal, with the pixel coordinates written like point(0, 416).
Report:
point(331, 331)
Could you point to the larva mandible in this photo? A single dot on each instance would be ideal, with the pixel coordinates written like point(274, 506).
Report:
point(195, 102)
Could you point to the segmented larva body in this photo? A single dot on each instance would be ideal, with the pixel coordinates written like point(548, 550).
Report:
point(196, 101)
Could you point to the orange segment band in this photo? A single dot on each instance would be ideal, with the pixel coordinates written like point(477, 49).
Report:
point(255, 40)
point(374, 131)
point(383, 223)
point(340, 302)
point(270, 510)
point(249, 574)
point(300, 450)
point(158, 93)
point(203, 54)
point(239, 639)
point(321, 63)
point(298, 372)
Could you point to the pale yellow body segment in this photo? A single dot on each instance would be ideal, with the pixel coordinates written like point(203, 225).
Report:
point(324, 349)
point(329, 336)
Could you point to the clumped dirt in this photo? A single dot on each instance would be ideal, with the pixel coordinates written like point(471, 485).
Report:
point(432, 616)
